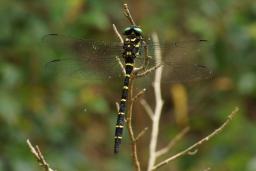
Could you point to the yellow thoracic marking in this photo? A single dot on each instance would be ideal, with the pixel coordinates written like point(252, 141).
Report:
point(127, 39)
point(119, 126)
point(118, 137)
point(137, 45)
point(128, 53)
point(121, 113)
point(129, 64)
point(128, 45)
point(123, 100)
point(125, 87)
point(133, 39)
point(127, 75)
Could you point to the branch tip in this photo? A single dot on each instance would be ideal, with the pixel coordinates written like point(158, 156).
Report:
point(39, 156)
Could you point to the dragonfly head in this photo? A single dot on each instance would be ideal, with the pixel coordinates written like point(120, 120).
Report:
point(133, 30)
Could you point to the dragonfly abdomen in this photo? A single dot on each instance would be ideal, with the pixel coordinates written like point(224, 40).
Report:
point(122, 108)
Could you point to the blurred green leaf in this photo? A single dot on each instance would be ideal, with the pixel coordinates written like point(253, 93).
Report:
point(73, 120)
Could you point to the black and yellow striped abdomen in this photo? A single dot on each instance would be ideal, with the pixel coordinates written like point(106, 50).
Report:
point(121, 115)
point(131, 49)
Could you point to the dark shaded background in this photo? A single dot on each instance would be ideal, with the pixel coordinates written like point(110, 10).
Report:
point(73, 121)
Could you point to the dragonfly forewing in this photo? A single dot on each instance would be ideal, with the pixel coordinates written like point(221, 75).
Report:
point(82, 58)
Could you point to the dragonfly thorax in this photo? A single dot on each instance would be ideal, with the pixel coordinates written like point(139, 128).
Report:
point(131, 46)
point(132, 42)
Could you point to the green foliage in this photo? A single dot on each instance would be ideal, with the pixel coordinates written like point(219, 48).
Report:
point(72, 121)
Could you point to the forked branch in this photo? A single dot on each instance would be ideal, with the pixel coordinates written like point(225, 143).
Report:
point(158, 109)
point(173, 142)
point(194, 146)
point(39, 156)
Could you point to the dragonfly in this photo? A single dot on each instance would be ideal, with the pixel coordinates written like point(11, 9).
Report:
point(135, 50)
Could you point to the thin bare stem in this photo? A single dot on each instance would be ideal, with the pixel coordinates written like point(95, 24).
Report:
point(148, 71)
point(118, 34)
point(147, 108)
point(39, 156)
point(173, 142)
point(120, 64)
point(192, 147)
point(129, 125)
point(141, 133)
point(140, 93)
point(117, 106)
point(158, 108)
point(128, 14)
point(121, 41)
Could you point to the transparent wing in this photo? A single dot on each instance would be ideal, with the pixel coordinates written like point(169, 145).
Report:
point(185, 51)
point(82, 58)
point(185, 72)
point(182, 61)
point(89, 59)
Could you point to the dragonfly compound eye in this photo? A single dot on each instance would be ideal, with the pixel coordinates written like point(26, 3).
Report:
point(133, 29)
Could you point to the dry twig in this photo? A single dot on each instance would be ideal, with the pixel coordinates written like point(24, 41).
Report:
point(117, 106)
point(39, 157)
point(121, 65)
point(192, 147)
point(148, 71)
point(128, 14)
point(140, 93)
point(158, 109)
point(118, 34)
point(173, 142)
point(147, 108)
point(130, 103)
point(141, 133)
